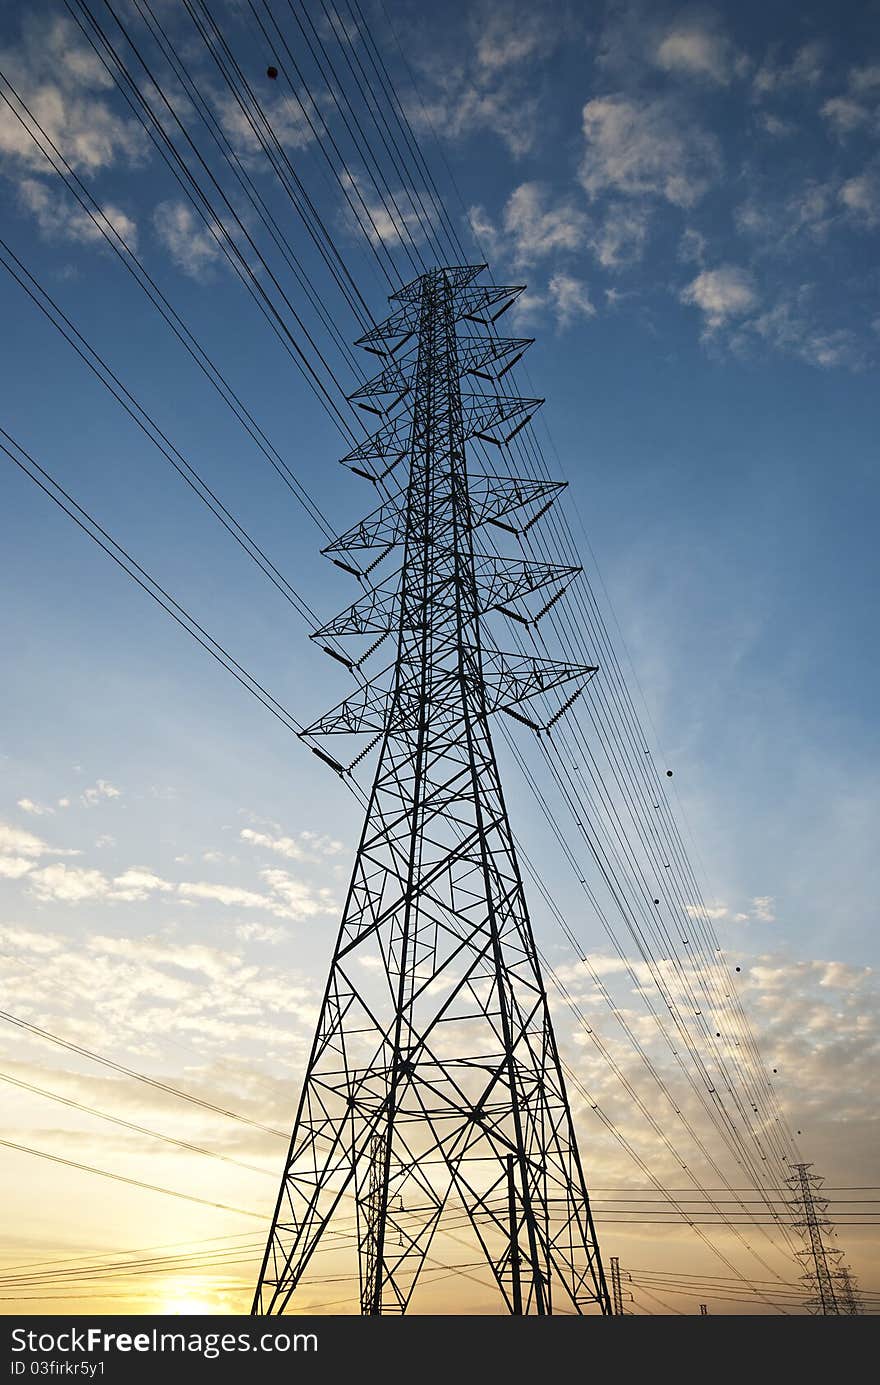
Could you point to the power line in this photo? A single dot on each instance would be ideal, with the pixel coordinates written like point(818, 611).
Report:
point(137, 1076)
point(122, 1178)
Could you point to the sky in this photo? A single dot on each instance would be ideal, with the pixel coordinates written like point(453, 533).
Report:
point(692, 196)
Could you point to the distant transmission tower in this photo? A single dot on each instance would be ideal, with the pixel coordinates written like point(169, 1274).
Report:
point(848, 1295)
point(820, 1260)
point(616, 1292)
point(434, 1081)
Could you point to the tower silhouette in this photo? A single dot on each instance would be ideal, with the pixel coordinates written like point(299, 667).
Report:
point(434, 1086)
point(820, 1260)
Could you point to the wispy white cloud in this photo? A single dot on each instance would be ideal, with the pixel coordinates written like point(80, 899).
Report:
point(27, 805)
point(692, 246)
point(773, 222)
point(20, 850)
point(762, 908)
point(152, 988)
point(103, 789)
point(393, 218)
point(73, 884)
point(61, 219)
point(138, 883)
point(699, 50)
point(721, 294)
point(13, 867)
point(620, 234)
point(68, 884)
point(65, 85)
point(192, 245)
point(860, 196)
point(300, 901)
point(570, 298)
point(775, 125)
point(844, 114)
point(646, 148)
point(487, 81)
point(803, 71)
point(790, 325)
point(230, 896)
point(288, 897)
point(857, 107)
point(307, 847)
point(508, 35)
point(259, 932)
point(532, 226)
point(292, 119)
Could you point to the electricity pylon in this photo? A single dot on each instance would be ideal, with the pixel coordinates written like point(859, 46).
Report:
point(848, 1296)
point(616, 1291)
point(820, 1260)
point(434, 1083)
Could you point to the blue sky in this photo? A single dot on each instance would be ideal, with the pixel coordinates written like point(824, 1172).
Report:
point(692, 195)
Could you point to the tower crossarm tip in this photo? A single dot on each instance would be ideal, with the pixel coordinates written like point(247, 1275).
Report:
point(510, 679)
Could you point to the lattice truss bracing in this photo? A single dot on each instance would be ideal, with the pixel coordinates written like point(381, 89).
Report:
point(434, 1084)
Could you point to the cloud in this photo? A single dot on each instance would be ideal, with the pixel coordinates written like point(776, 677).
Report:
point(145, 990)
point(461, 107)
point(486, 79)
point(230, 896)
point(762, 909)
point(102, 789)
point(61, 219)
point(13, 867)
point(288, 117)
point(194, 247)
point(301, 901)
point(73, 884)
point(259, 932)
point(619, 238)
point(844, 114)
point(789, 326)
point(68, 884)
point(809, 210)
point(721, 294)
point(27, 805)
point(712, 911)
point(698, 52)
point(509, 35)
point(531, 228)
point(288, 897)
point(646, 148)
point(692, 246)
point(774, 125)
point(138, 883)
point(19, 850)
point(570, 298)
point(805, 71)
point(392, 218)
point(861, 197)
point(307, 847)
point(62, 82)
point(857, 106)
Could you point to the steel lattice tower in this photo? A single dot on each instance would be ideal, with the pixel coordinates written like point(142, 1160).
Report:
point(820, 1260)
point(616, 1291)
point(434, 1082)
point(848, 1295)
